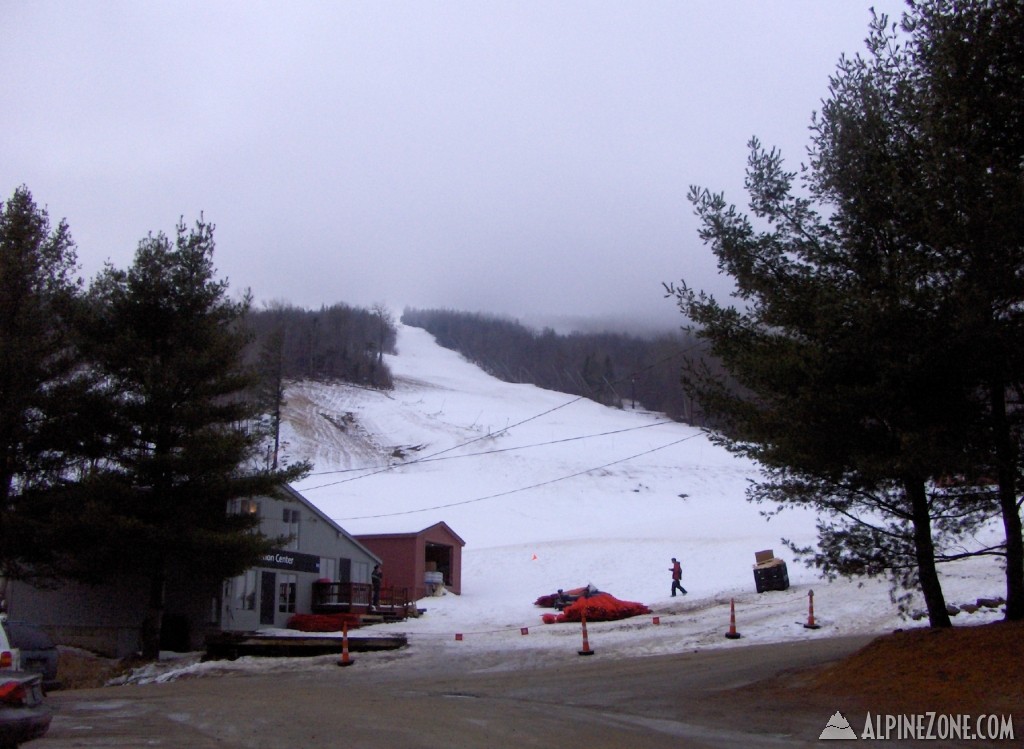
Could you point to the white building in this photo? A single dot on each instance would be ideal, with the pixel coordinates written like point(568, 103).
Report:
point(108, 618)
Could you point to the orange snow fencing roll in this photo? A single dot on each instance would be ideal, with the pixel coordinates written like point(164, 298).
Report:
point(601, 607)
point(322, 622)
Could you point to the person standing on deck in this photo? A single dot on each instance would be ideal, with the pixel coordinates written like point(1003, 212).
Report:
point(375, 580)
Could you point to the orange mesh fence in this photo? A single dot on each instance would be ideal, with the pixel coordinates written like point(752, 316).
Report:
point(600, 607)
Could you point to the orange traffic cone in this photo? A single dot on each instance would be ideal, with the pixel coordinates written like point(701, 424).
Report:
point(732, 634)
point(586, 643)
point(810, 612)
point(345, 660)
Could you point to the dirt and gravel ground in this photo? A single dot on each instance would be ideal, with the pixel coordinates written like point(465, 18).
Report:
point(751, 696)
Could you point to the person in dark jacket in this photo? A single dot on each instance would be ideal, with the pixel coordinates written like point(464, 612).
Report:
point(677, 575)
point(375, 579)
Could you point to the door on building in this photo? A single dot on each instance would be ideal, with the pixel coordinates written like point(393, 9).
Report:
point(268, 597)
point(438, 558)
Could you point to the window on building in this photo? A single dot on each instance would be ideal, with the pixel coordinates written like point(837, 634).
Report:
point(328, 568)
point(245, 591)
point(291, 527)
point(286, 587)
point(244, 507)
point(360, 572)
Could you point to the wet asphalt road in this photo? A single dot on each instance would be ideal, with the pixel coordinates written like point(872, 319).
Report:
point(693, 700)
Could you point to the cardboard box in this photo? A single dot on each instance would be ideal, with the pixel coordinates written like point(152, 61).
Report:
point(761, 557)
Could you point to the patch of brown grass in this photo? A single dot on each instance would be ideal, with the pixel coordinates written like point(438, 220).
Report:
point(958, 669)
point(80, 669)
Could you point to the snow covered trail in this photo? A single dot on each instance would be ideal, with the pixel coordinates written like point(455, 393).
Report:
point(552, 491)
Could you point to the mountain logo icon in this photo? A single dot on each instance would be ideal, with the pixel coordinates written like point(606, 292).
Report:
point(838, 728)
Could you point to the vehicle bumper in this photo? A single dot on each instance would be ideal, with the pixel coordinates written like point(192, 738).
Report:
point(21, 724)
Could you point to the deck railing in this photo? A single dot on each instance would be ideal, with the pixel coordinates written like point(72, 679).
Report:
point(331, 597)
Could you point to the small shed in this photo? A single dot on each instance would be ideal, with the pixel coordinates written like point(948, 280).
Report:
point(418, 560)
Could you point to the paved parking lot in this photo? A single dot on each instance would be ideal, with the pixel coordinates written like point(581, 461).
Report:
point(662, 701)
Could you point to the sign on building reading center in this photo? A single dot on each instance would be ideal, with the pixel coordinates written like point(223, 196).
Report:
point(291, 560)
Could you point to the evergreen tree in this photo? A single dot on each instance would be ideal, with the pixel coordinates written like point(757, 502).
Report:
point(809, 393)
point(924, 142)
point(169, 342)
point(42, 385)
point(878, 330)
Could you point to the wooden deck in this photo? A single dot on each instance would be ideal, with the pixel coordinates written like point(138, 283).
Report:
point(357, 598)
point(231, 645)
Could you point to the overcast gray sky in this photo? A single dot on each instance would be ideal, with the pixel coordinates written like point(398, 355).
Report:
point(522, 158)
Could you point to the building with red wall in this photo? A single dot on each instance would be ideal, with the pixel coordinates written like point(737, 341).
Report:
point(408, 557)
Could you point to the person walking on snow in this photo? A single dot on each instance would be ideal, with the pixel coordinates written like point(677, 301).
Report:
point(677, 574)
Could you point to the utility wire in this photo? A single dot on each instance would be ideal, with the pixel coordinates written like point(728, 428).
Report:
point(425, 458)
point(430, 459)
point(522, 488)
point(434, 456)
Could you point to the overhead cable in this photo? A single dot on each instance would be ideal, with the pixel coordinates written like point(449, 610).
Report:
point(519, 489)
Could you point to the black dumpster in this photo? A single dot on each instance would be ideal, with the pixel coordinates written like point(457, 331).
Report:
point(771, 576)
